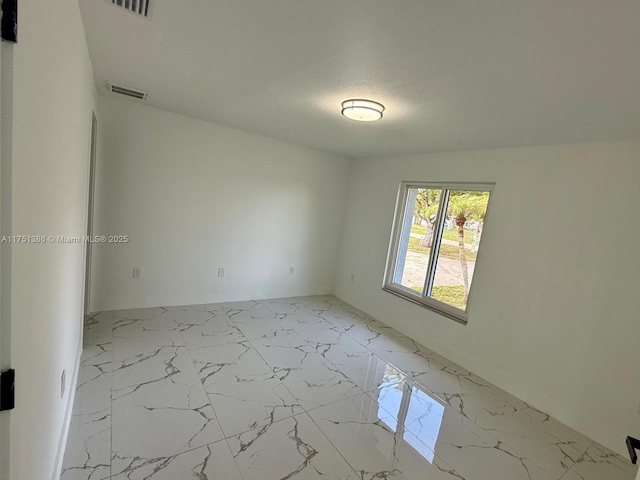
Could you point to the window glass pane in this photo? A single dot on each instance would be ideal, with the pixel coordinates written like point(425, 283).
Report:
point(460, 242)
point(414, 245)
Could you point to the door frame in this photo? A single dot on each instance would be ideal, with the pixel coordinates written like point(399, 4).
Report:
point(90, 211)
point(6, 116)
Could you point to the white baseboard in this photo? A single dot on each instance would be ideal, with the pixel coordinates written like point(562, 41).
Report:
point(62, 443)
point(594, 429)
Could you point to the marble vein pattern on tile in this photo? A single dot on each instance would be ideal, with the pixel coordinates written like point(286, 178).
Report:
point(361, 329)
point(98, 329)
point(315, 382)
point(311, 345)
point(283, 352)
point(403, 352)
point(255, 325)
point(147, 313)
point(374, 446)
point(244, 391)
point(238, 306)
point(202, 307)
point(521, 429)
point(356, 362)
point(186, 318)
point(142, 332)
point(88, 452)
point(323, 339)
point(308, 376)
point(293, 448)
point(599, 463)
point(206, 329)
point(93, 391)
point(337, 313)
point(160, 407)
point(209, 462)
point(452, 437)
point(305, 321)
point(313, 303)
point(281, 306)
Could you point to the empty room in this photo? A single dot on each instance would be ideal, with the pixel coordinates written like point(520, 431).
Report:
point(298, 239)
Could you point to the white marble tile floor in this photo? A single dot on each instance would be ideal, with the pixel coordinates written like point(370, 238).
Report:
point(300, 388)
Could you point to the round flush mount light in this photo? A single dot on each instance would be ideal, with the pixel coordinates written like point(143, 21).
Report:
point(362, 110)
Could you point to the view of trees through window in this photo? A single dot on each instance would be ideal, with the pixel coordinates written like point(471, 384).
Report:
point(447, 224)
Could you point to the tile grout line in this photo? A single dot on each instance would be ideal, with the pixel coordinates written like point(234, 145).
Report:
point(193, 364)
point(364, 319)
point(187, 450)
point(305, 410)
point(225, 437)
point(331, 443)
point(368, 324)
point(412, 377)
point(574, 463)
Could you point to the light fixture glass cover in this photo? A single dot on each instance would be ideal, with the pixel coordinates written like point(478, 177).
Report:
point(362, 110)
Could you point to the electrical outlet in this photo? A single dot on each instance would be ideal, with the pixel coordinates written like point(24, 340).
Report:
point(220, 272)
point(291, 270)
point(137, 272)
point(63, 383)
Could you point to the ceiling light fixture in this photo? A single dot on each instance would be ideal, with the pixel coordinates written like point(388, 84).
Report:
point(362, 110)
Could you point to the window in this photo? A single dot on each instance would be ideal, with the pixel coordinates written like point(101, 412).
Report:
point(434, 244)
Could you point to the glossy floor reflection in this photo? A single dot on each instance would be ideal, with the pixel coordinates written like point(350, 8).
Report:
point(300, 388)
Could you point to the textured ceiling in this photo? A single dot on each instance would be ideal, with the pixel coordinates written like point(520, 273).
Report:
point(453, 74)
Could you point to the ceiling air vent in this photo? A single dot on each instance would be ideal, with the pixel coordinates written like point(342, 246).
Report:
point(139, 7)
point(127, 91)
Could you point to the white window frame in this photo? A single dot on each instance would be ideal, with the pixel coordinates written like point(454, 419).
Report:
point(423, 298)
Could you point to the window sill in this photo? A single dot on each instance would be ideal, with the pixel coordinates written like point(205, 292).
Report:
point(429, 303)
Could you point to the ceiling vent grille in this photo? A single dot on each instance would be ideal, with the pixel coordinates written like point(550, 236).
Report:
point(127, 91)
point(139, 7)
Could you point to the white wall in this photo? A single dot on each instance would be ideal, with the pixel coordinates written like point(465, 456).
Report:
point(52, 101)
point(553, 312)
point(193, 196)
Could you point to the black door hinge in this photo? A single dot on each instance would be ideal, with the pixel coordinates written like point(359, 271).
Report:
point(7, 389)
point(633, 444)
point(9, 23)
